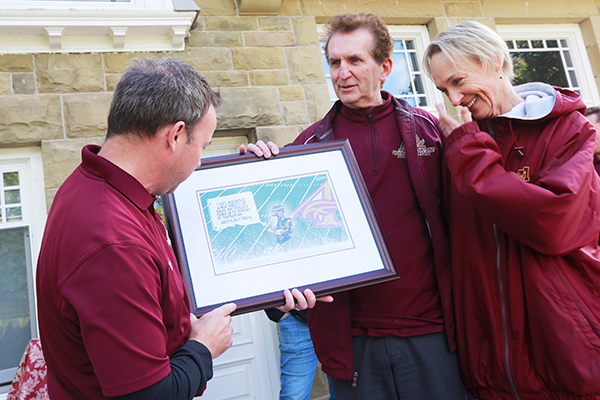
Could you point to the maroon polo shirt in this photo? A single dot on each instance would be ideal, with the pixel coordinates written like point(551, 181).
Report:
point(112, 305)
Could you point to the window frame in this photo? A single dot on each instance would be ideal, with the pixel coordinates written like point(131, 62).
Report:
point(28, 161)
point(577, 49)
point(419, 34)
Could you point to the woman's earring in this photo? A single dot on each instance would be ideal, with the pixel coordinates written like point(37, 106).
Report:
point(499, 74)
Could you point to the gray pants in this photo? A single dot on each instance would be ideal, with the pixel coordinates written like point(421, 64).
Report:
point(403, 368)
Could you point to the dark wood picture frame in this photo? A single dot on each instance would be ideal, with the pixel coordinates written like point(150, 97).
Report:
point(218, 230)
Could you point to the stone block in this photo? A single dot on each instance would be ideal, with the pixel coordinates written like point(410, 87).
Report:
point(61, 157)
point(111, 81)
point(207, 58)
point(248, 108)
point(231, 24)
point(274, 24)
point(23, 83)
point(593, 52)
point(305, 31)
point(86, 114)
point(305, 65)
point(117, 63)
point(394, 11)
point(269, 39)
point(468, 9)
point(4, 84)
point(437, 25)
point(69, 73)
point(280, 135)
point(490, 22)
point(590, 30)
point(294, 113)
point(519, 11)
point(30, 119)
point(290, 7)
point(215, 39)
point(276, 77)
point(258, 58)
point(220, 79)
point(217, 7)
point(50, 194)
point(16, 63)
point(317, 101)
point(291, 93)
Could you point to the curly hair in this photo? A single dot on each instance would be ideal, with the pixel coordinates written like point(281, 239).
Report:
point(383, 44)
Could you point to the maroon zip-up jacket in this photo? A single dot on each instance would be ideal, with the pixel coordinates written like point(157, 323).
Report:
point(524, 216)
point(421, 139)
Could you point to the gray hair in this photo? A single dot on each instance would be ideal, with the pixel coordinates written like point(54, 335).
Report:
point(470, 42)
point(155, 92)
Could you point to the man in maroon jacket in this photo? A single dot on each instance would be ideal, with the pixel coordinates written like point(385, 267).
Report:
point(392, 340)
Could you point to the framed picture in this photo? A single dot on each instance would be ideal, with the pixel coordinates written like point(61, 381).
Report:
point(245, 228)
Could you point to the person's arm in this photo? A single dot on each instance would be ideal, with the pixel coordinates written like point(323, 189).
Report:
point(191, 369)
point(553, 213)
point(191, 364)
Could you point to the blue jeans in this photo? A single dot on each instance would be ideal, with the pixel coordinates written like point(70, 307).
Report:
point(298, 359)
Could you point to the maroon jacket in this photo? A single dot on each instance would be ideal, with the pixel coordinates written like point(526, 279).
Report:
point(524, 221)
point(330, 323)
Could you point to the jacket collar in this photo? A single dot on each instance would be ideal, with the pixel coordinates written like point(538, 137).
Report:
point(325, 128)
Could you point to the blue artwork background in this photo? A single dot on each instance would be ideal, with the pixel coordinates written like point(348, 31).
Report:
point(308, 200)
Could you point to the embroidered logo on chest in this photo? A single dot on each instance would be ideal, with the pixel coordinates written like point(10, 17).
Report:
point(524, 173)
point(422, 149)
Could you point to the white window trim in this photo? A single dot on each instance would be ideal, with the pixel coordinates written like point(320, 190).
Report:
point(33, 193)
point(570, 32)
point(33, 203)
point(85, 26)
point(420, 37)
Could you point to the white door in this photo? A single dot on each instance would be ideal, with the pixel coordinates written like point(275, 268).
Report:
point(250, 368)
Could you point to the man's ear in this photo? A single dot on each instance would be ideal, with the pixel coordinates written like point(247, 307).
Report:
point(176, 135)
point(386, 68)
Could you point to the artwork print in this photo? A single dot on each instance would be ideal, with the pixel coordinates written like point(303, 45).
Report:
point(263, 223)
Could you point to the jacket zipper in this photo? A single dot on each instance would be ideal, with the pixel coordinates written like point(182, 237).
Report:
point(354, 378)
point(503, 301)
point(373, 143)
point(506, 346)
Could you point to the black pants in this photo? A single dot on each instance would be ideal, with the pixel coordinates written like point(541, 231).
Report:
point(406, 368)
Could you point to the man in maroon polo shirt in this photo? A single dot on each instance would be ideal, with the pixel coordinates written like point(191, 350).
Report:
point(113, 313)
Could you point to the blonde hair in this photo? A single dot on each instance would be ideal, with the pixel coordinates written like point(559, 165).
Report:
point(470, 42)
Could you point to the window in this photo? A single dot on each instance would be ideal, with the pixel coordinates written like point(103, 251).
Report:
point(22, 212)
point(407, 80)
point(553, 54)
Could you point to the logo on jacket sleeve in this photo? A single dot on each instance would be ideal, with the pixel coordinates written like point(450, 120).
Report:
point(422, 149)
